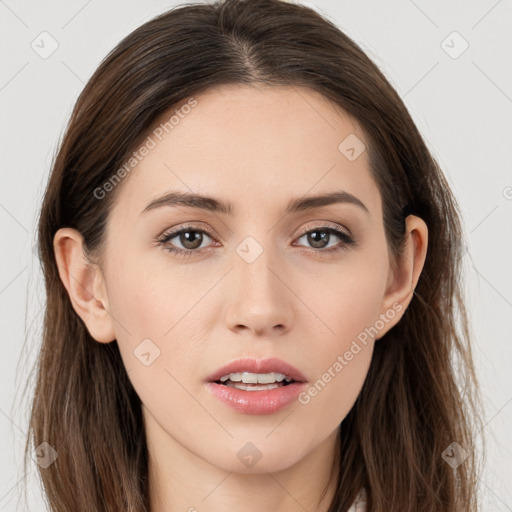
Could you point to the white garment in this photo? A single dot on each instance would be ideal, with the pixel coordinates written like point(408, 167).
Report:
point(359, 504)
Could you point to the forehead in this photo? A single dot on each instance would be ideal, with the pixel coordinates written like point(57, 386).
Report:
point(251, 145)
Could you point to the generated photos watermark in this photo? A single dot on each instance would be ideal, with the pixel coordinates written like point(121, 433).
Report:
point(343, 360)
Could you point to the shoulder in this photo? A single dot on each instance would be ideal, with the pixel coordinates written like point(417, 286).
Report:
point(359, 504)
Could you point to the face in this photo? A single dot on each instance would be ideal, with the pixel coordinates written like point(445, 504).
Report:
point(308, 285)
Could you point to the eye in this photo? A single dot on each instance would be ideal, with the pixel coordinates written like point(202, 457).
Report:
point(191, 239)
point(320, 237)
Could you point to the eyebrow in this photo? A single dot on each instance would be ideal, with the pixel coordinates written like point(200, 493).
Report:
point(175, 198)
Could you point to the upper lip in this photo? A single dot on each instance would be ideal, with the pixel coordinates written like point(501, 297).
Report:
point(258, 366)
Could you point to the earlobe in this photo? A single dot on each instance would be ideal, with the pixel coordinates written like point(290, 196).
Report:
point(84, 284)
point(403, 280)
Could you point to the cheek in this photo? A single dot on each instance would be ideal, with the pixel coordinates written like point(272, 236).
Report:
point(155, 297)
point(163, 313)
point(341, 358)
point(346, 301)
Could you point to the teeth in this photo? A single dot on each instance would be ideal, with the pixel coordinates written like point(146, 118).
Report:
point(256, 378)
point(250, 387)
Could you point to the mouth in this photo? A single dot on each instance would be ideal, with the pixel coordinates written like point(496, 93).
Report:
point(252, 386)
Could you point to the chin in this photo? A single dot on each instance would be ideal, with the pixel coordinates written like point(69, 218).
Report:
point(257, 457)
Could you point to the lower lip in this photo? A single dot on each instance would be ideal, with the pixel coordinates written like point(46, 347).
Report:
point(257, 402)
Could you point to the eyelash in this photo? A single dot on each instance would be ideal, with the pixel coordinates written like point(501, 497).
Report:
point(346, 239)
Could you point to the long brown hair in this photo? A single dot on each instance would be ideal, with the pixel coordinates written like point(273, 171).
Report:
point(421, 393)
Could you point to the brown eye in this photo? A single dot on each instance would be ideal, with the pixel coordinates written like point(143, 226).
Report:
point(190, 241)
point(189, 238)
point(320, 238)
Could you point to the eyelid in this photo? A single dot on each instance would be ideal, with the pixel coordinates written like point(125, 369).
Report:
point(186, 227)
point(325, 224)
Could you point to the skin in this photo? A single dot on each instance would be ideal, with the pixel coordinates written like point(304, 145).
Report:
point(257, 147)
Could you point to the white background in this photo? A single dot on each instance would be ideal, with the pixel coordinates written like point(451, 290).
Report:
point(463, 107)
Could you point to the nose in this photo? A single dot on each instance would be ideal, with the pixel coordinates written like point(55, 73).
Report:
point(258, 299)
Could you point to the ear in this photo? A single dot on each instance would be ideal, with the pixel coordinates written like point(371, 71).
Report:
point(84, 283)
point(403, 280)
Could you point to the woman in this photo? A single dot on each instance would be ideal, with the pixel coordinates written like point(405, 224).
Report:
point(252, 274)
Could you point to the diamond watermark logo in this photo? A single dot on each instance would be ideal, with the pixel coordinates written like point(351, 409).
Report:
point(455, 455)
point(249, 249)
point(454, 45)
point(45, 455)
point(44, 45)
point(146, 352)
point(249, 454)
point(352, 147)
